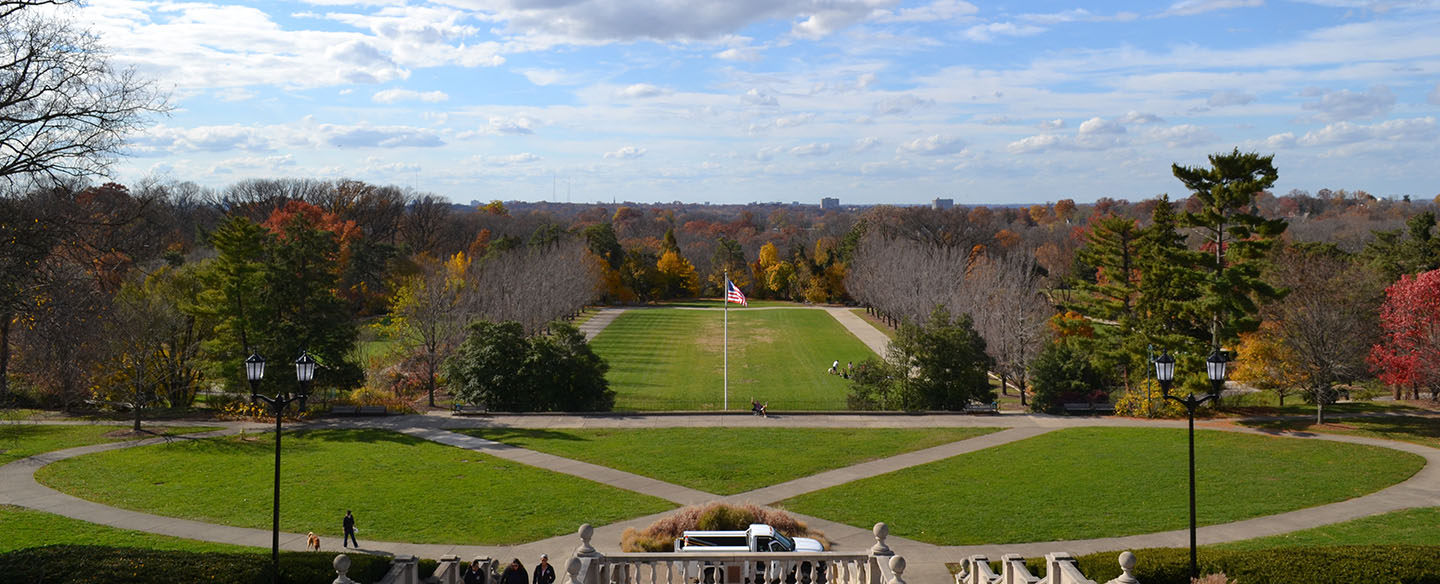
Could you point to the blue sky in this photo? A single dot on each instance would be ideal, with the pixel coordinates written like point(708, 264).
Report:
point(870, 101)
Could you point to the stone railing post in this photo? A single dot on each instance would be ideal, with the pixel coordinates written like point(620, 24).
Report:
point(587, 563)
point(449, 571)
point(897, 570)
point(1013, 570)
point(880, 554)
point(1127, 563)
point(342, 566)
point(403, 570)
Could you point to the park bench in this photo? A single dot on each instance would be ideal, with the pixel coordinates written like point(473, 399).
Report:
point(467, 409)
point(979, 408)
point(1089, 408)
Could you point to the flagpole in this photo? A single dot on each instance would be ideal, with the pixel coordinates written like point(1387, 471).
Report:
point(725, 299)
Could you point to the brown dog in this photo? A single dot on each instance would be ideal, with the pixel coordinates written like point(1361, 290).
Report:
point(312, 542)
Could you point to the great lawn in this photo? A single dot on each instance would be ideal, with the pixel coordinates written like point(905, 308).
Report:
point(400, 488)
point(735, 460)
point(671, 358)
point(1084, 483)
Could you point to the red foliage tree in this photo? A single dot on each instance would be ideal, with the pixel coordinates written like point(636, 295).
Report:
point(1408, 354)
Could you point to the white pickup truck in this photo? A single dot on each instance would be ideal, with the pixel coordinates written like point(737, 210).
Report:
point(757, 538)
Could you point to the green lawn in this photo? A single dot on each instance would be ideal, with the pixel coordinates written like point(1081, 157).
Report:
point(734, 460)
point(1265, 403)
point(400, 488)
point(26, 528)
point(1086, 483)
point(18, 441)
point(1408, 527)
point(667, 359)
point(1414, 429)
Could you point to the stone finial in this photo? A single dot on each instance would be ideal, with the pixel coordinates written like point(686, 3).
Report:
point(585, 549)
point(897, 568)
point(881, 531)
point(342, 565)
point(572, 569)
point(1127, 563)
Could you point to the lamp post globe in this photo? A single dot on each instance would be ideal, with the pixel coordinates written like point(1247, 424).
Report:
point(1215, 370)
point(254, 371)
point(1165, 372)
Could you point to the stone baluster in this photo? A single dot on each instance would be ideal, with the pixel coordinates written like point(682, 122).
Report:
point(1127, 563)
point(1060, 568)
point(572, 570)
point(977, 571)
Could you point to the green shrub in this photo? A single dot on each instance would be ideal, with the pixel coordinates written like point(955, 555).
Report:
point(1373, 564)
point(1063, 373)
point(74, 564)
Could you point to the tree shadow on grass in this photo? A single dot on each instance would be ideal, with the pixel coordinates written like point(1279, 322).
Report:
point(511, 435)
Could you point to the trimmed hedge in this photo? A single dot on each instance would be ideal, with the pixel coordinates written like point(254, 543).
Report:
point(1373, 564)
point(77, 564)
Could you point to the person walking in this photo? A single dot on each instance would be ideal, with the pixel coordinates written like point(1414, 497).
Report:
point(515, 574)
point(544, 572)
point(474, 575)
point(349, 524)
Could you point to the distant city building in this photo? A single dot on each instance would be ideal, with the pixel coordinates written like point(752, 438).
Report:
point(829, 204)
point(942, 204)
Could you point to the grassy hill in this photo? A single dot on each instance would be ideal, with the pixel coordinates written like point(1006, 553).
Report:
point(672, 359)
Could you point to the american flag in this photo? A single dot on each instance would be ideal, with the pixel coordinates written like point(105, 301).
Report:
point(733, 294)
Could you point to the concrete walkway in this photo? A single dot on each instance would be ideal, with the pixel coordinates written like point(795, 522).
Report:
point(597, 323)
point(926, 561)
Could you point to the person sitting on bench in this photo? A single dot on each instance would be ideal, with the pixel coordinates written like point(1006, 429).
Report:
point(758, 408)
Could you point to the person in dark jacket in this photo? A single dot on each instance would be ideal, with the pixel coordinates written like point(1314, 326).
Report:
point(349, 524)
point(475, 574)
point(515, 573)
point(544, 572)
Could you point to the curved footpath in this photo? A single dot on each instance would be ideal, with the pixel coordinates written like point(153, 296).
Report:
point(926, 561)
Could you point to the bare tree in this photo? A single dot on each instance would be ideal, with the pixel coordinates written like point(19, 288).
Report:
point(1329, 319)
point(1010, 312)
point(424, 222)
point(535, 285)
point(430, 314)
point(64, 110)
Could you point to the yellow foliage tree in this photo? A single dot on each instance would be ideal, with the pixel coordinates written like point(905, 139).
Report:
point(678, 275)
point(1264, 362)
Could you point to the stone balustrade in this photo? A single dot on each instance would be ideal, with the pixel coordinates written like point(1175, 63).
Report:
point(876, 566)
point(1060, 568)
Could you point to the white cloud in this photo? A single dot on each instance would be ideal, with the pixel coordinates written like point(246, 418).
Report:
point(1280, 141)
point(984, 33)
point(1077, 15)
point(744, 54)
point(1434, 97)
point(1054, 124)
point(204, 139)
point(1348, 105)
point(641, 91)
point(511, 126)
point(1228, 98)
point(939, 10)
point(767, 153)
point(546, 77)
point(367, 136)
point(865, 144)
point(1408, 130)
point(1134, 117)
point(1099, 126)
point(1031, 144)
point(508, 160)
point(394, 95)
point(1192, 7)
point(811, 149)
point(757, 97)
point(791, 121)
point(900, 104)
point(626, 153)
point(934, 145)
point(1181, 135)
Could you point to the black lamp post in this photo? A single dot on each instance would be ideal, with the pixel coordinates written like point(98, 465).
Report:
point(304, 374)
point(1165, 373)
